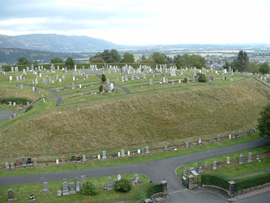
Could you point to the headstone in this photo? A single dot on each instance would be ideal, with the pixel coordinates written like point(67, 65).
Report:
point(241, 159)
point(187, 144)
point(109, 183)
point(228, 160)
point(211, 140)
point(23, 162)
point(230, 136)
point(128, 153)
point(78, 189)
point(139, 151)
point(98, 157)
point(118, 177)
point(200, 169)
point(218, 137)
point(185, 172)
point(63, 159)
point(214, 165)
point(11, 195)
point(250, 157)
point(240, 133)
point(84, 157)
point(165, 148)
point(7, 166)
point(35, 161)
point(45, 187)
point(104, 154)
point(18, 163)
point(12, 166)
point(83, 179)
point(57, 161)
point(59, 193)
point(147, 150)
point(142, 151)
point(72, 188)
point(258, 157)
point(73, 159)
point(65, 188)
point(205, 164)
point(199, 141)
point(122, 153)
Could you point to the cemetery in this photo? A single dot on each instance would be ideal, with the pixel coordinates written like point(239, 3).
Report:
point(99, 116)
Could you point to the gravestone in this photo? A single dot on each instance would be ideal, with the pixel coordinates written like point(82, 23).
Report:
point(187, 144)
point(23, 162)
point(136, 178)
point(104, 154)
point(166, 148)
point(45, 187)
point(218, 137)
point(65, 188)
point(228, 160)
point(205, 164)
point(98, 157)
point(142, 151)
point(59, 193)
point(57, 161)
point(7, 166)
point(12, 166)
point(73, 159)
point(114, 182)
point(230, 136)
point(78, 159)
point(128, 153)
point(122, 153)
point(11, 195)
point(84, 157)
point(83, 179)
point(214, 165)
point(139, 151)
point(199, 141)
point(250, 157)
point(199, 164)
point(233, 135)
point(109, 183)
point(147, 150)
point(63, 159)
point(258, 157)
point(249, 133)
point(200, 169)
point(185, 172)
point(18, 163)
point(241, 159)
point(35, 161)
point(240, 133)
point(211, 140)
point(118, 177)
point(78, 189)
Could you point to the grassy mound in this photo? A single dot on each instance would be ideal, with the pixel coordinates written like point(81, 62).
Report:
point(154, 119)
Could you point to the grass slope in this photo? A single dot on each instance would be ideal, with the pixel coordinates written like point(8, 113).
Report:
point(154, 119)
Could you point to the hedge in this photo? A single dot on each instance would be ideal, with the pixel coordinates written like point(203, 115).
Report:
point(152, 189)
point(252, 181)
point(17, 100)
point(215, 179)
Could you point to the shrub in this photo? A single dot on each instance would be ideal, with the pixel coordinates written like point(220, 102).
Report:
point(17, 100)
point(28, 108)
point(185, 80)
point(89, 188)
point(123, 185)
point(100, 88)
point(202, 78)
point(154, 188)
point(103, 78)
point(252, 181)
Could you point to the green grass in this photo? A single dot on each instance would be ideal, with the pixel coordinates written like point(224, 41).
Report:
point(22, 192)
point(126, 160)
point(233, 169)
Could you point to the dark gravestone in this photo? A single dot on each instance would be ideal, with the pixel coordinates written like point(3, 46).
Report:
point(29, 162)
point(73, 158)
point(78, 160)
point(11, 195)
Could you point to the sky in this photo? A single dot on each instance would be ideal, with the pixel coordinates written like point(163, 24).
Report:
point(142, 22)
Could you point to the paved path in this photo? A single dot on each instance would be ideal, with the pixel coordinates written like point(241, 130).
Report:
point(156, 170)
point(5, 114)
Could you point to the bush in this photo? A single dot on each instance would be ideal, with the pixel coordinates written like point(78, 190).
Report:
point(21, 101)
point(215, 179)
point(103, 78)
point(202, 78)
point(154, 188)
point(28, 108)
point(89, 188)
point(252, 181)
point(123, 185)
point(185, 80)
point(100, 88)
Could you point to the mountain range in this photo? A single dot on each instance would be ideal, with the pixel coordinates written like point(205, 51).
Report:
point(56, 43)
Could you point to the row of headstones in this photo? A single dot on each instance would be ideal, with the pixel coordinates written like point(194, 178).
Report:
point(215, 163)
point(14, 103)
point(23, 164)
point(17, 78)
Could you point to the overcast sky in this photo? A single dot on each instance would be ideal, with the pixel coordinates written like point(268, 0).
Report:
point(142, 21)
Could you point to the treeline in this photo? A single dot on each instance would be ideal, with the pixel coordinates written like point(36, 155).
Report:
point(242, 64)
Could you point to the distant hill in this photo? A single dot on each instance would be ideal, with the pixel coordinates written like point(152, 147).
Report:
point(10, 55)
point(55, 43)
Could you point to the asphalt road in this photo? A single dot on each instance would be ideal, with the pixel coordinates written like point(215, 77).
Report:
point(156, 170)
point(5, 114)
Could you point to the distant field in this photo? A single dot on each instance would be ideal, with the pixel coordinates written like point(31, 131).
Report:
point(174, 114)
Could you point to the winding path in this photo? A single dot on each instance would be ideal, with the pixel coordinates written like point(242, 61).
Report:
point(156, 170)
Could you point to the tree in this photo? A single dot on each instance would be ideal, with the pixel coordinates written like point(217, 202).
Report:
point(100, 88)
point(190, 61)
point(226, 65)
point(89, 188)
point(242, 61)
point(128, 58)
point(103, 78)
point(253, 67)
point(198, 65)
point(202, 77)
point(23, 61)
point(108, 56)
point(97, 60)
point(264, 122)
point(56, 60)
point(175, 58)
point(69, 62)
point(264, 68)
point(158, 58)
